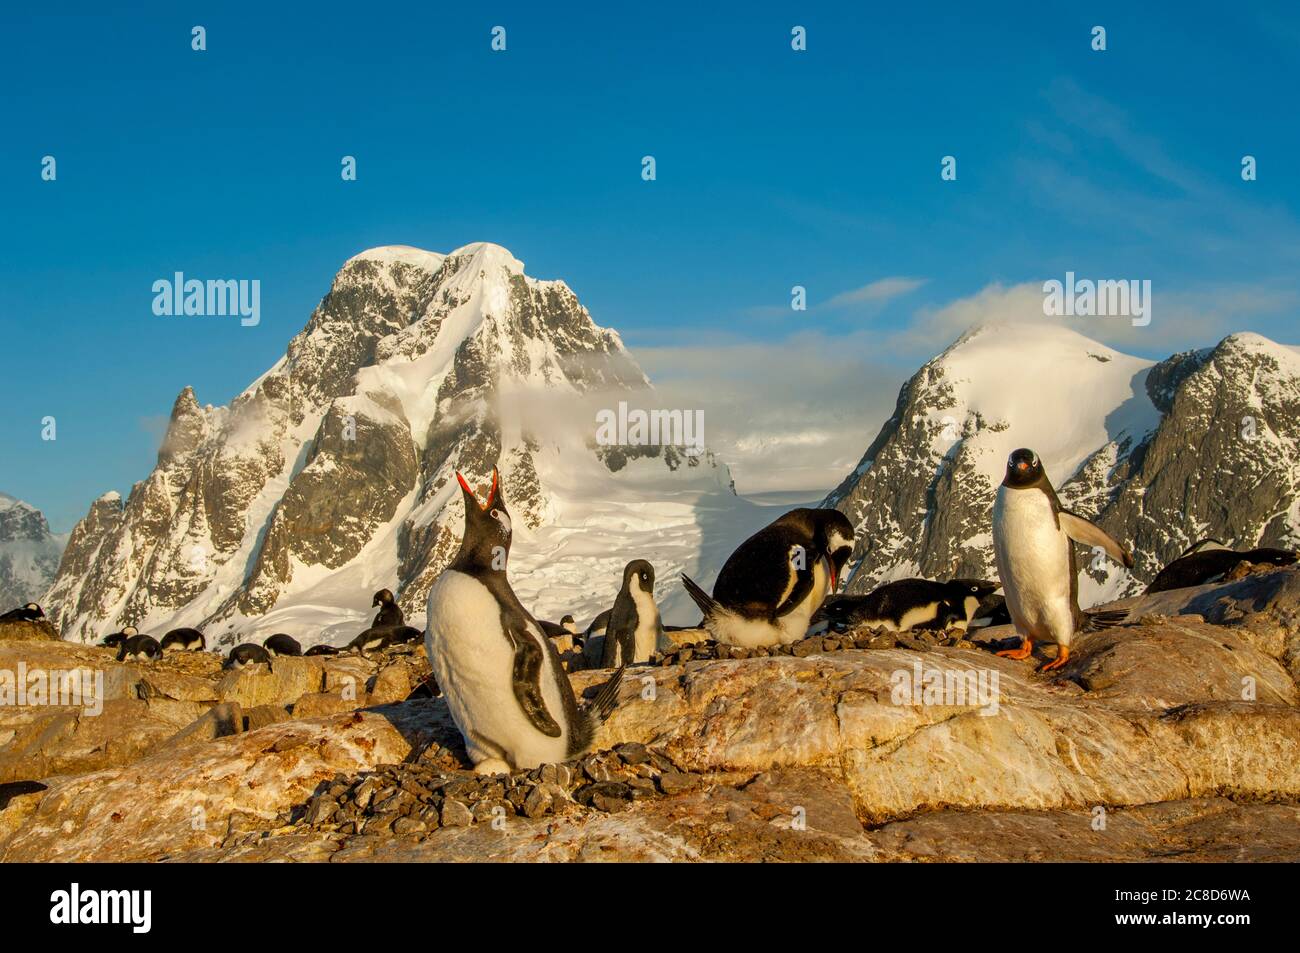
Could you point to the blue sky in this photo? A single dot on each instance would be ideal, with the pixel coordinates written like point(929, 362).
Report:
point(775, 168)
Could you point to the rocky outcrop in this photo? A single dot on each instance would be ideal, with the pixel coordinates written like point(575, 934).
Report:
point(1177, 733)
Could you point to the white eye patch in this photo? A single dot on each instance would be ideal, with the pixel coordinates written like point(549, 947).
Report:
point(502, 518)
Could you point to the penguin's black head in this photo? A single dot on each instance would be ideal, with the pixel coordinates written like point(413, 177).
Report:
point(384, 596)
point(486, 543)
point(975, 588)
point(567, 620)
point(833, 537)
point(1023, 469)
point(1274, 557)
point(36, 610)
point(640, 573)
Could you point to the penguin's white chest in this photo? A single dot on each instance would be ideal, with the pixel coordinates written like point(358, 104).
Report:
point(1033, 557)
point(734, 629)
point(647, 624)
point(473, 662)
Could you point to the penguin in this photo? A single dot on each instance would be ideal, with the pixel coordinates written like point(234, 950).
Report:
point(558, 630)
point(598, 625)
point(139, 648)
point(28, 613)
point(1201, 565)
point(390, 613)
point(593, 640)
point(184, 640)
point(281, 644)
point(1036, 561)
point(373, 639)
point(242, 656)
point(772, 584)
point(910, 604)
point(992, 611)
point(117, 638)
point(406, 635)
point(322, 650)
point(635, 630)
point(1201, 545)
point(504, 684)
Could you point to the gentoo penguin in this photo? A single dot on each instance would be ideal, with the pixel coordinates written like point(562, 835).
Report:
point(557, 630)
point(1031, 545)
point(117, 638)
point(772, 584)
point(28, 613)
point(139, 648)
point(634, 630)
point(184, 640)
point(247, 654)
point(390, 613)
point(1199, 566)
point(910, 604)
point(322, 650)
point(501, 676)
point(281, 644)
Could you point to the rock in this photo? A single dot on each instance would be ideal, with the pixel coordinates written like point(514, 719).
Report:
point(220, 721)
point(21, 631)
point(392, 684)
point(677, 782)
point(264, 715)
point(456, 814)
point(287, 681)
point(319, 704)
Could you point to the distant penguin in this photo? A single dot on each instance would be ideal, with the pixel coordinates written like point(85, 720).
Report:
point(371, 640)
point(635, 629)
point(139, 648)
point(1202, 545)
point(910, 604)
point(504, 684)
point(598, 625)
point(1199, 566)
point(117, 638)
point(184, 640)
point(322, 650)
point(390, 613)
point(281, 644)
point(28, 613)
point(772, 584)
point(406, 635)
point(557, 630)
point(242, 656)
point(593, 640)
point(1036, 560)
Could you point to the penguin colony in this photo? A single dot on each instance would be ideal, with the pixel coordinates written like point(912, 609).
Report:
point(501, 672)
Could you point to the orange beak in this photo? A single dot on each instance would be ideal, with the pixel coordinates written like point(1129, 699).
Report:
point(492, 494)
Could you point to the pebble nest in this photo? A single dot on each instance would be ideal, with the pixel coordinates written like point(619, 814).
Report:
point(919, 640)
point(415, 798)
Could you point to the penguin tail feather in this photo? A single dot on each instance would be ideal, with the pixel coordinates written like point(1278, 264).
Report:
point(701, 598)
point(1104, 620)
point(606, 700)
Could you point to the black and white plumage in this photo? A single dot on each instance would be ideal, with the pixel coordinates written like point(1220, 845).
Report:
point(282, 644)
point(772, 584)
point(1036, 561)
point(139, 648)
point(910, 603)
point(184, 640)
point(242, 656)
point(634, 630)
point(558, 630)
point(116, 639)
point(321, 650)
point(1202, 564)
point(390, 613)
point(28, 613)
point(505, 687)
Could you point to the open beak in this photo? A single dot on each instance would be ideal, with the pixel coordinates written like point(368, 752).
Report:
point(835, 577)
point(492, 494)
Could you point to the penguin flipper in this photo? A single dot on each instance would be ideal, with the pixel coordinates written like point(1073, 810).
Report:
point(1084, 531)
point(620, 632)
point(606, 700)
point(701, 598)
point(1106, 619)
point(527, 682)
point(803, 583)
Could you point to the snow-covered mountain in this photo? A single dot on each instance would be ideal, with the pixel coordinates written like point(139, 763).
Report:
point(29, 553)
point(332, 474)
point(1202, 444)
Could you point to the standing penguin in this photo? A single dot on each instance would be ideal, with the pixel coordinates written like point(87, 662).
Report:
point(1031, 545)
point(772, 584)
point(390, 613)
point(634, 628)
point(282, 644)
point(502, 678)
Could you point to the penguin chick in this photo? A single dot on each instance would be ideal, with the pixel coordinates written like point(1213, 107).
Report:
point(505, 686)
point(635, 629)
point(772, 584)
point(1032, 536)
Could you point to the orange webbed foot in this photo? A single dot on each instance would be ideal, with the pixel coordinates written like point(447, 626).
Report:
point(1026, 649)
point(1062, 656)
